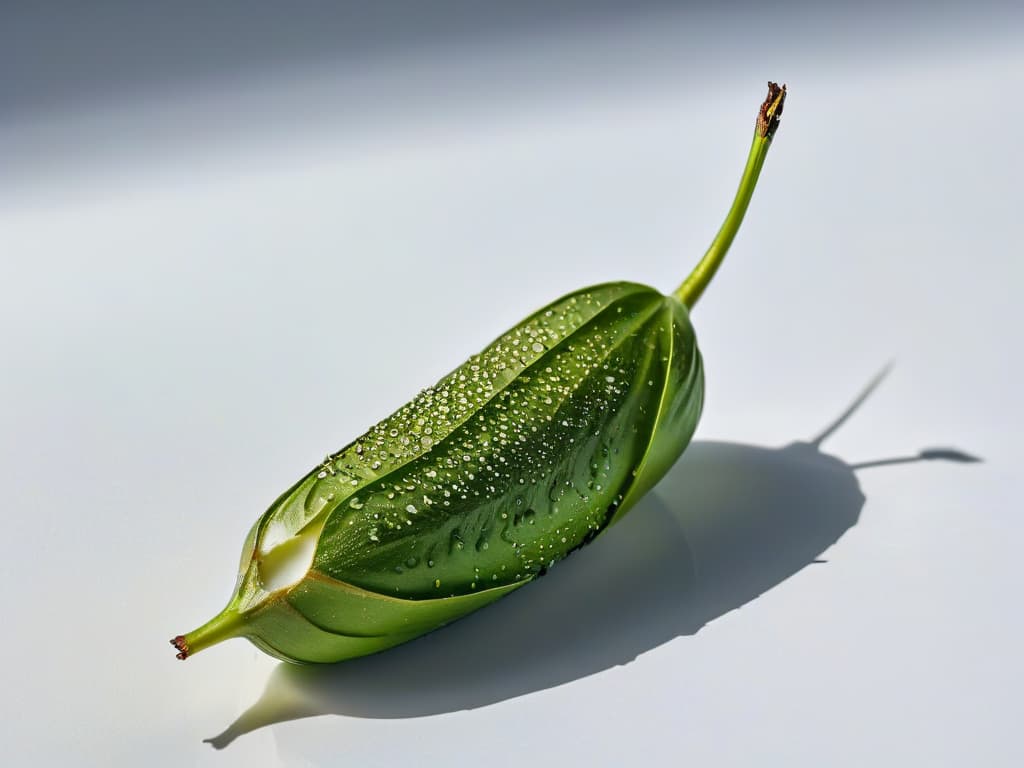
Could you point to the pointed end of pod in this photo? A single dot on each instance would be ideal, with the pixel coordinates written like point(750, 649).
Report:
point(225, 625)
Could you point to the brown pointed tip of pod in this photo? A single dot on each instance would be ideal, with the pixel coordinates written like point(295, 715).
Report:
point(771, 111)
point(179, 643)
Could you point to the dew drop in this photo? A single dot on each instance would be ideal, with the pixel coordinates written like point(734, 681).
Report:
point(455, 542)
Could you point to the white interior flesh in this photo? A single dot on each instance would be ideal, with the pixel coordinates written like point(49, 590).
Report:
point(284, 560)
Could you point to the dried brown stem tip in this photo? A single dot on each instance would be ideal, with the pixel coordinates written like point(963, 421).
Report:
point(182, 646)
point(771, 111)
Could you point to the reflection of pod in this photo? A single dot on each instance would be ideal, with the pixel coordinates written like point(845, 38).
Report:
point(485, 480)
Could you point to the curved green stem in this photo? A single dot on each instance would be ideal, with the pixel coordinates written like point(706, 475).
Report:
point(767, 123)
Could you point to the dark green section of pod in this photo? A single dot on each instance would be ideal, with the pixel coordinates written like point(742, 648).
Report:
point(538, 468)
point(415, 429)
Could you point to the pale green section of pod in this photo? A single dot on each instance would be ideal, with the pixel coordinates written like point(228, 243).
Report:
point(281, 631)
point(342, 608)
point(321, 620)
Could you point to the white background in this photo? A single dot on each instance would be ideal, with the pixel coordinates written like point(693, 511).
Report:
point(207, 284)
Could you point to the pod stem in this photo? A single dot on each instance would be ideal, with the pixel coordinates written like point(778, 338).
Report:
point(224, 625)
point(767, 124)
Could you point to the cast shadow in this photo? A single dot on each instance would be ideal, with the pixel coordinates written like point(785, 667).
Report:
point(728, 523)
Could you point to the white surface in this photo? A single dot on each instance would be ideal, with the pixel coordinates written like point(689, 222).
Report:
point(189, 319)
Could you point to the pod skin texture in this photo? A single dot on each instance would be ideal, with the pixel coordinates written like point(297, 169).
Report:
point(485, 480)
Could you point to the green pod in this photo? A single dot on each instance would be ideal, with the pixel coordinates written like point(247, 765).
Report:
point(485, 480)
